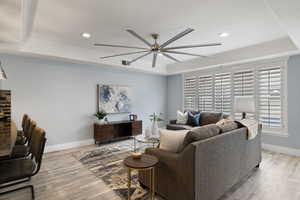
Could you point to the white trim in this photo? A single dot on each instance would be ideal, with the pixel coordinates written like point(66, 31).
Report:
point(69, 145)
point(281, 149)
point(240, 62)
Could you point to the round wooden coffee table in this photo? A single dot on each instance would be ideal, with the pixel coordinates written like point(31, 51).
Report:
point(146, 162)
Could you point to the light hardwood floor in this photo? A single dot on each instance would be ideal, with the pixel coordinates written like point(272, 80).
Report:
point(62, 177)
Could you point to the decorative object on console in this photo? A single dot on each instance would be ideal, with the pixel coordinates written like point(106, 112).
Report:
point(114, 98)
point(155, 118)
point(132, 117)
point(101, 116)
point(244, 104)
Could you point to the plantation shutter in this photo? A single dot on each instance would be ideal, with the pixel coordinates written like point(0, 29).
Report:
point(190, 93)
point(205, 91)
point(269, 97)
point(243, 85)
point(223, 93)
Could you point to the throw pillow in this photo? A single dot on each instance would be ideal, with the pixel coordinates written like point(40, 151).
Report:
point(227, 125)
point(199, 133)
point(171, 140)
point(210, 118)
point(193, 119)
point(181, 117)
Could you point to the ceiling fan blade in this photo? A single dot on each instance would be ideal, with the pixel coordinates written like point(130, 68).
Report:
point(184, 53)
point(120, 46)
point(170, 57)
point(137, 58)
point(154, 59)
point(176, 37)
point(123, 54)
point(193, 46)
point(138, 36)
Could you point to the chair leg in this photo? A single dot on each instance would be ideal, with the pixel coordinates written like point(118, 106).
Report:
point(21, 188)
point(32, 192)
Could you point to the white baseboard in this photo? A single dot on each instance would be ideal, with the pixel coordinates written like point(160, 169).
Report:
point(69, 145)
point(281, 149)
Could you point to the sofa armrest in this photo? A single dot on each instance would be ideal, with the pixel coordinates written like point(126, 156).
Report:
point(174, 172)
point(173, 121)
point(164, 157)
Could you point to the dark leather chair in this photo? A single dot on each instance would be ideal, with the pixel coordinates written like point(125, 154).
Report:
point(20, 151)
point(21, 132)
point(16, 171)
point(22, 137)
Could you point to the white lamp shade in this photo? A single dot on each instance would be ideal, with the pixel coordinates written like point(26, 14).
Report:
point(244, 104)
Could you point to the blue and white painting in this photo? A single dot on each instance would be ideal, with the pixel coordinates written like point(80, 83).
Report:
point(115, 98)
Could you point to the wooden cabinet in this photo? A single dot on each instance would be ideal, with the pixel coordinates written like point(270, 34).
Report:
point(116, 130)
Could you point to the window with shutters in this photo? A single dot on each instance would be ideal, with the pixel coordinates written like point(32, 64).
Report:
point(216, 91)
point(205, 93)
point(222, 93)
point(243, 85)
point(269, 97)
point(190, 93)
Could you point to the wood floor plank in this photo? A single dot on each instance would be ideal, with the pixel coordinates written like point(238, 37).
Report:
point(62, 177)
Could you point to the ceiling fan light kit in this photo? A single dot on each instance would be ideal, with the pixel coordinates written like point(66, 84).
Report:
point(156, 49)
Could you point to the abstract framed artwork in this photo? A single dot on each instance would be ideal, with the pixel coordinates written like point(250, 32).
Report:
point(114, 98)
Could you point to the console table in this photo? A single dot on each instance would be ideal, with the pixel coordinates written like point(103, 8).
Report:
point(116, 130)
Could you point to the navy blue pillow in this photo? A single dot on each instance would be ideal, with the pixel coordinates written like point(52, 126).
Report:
point(193, 119)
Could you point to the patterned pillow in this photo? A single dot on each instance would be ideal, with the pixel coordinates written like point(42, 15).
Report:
point(193, 119)
point(181, 117)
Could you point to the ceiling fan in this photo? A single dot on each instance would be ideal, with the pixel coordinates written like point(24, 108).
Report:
point(156, 48)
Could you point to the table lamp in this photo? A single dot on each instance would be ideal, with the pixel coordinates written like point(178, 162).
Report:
point(244, 104)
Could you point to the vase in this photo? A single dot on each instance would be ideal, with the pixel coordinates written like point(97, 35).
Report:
point(100, 121)
point(155, 130)
point(148, 132)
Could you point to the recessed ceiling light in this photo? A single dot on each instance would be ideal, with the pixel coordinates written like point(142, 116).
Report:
point(86, 35)
point(224, 34)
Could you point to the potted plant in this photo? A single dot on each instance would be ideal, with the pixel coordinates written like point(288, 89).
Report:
point(101, 116)
point(155, 118)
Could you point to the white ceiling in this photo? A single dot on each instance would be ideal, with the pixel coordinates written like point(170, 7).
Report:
point(53, 28)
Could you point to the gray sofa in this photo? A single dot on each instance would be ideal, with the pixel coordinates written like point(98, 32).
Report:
point(205, 169)
point(205, 118)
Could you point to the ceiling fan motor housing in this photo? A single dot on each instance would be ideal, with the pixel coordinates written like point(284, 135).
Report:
point(125, 62)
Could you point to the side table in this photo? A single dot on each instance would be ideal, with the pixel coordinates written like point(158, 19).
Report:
point(146, 162)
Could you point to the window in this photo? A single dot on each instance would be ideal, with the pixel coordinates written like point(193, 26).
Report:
point(215, 91)
point(223, 93)
point(190, 93)
point(269, 97)
point(205, 91)
point(243, 85)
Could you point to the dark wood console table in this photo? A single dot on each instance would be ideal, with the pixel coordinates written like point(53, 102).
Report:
point(116, 130)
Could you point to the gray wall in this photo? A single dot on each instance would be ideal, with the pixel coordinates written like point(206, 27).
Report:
point(174, 83)
point(175, 95)
point(61, 96)
point(293, 84)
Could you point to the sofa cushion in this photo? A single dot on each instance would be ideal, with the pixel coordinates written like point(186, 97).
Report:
point(182, 117)
point(193, 119)
point(200, 133)
point(171, 140)
point(178, 127)
point(227, 125)
point(210, 118)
